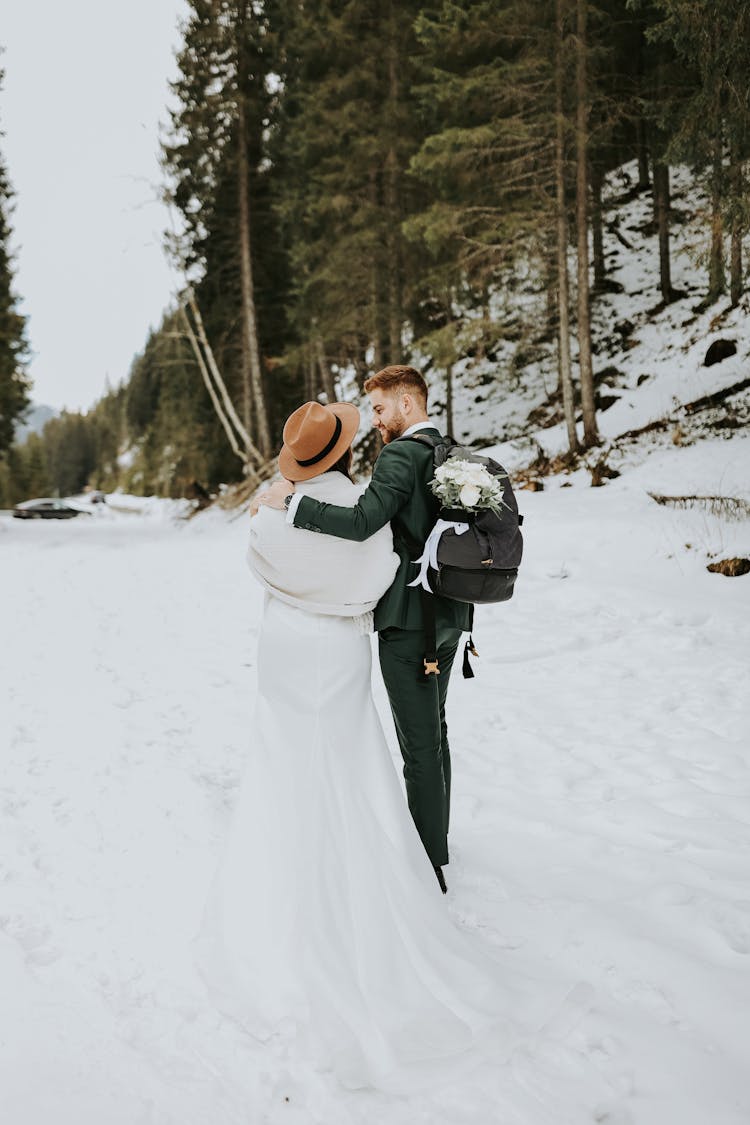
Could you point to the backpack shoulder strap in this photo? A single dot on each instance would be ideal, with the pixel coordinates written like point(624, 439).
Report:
point(441, 446)
point(423, 439)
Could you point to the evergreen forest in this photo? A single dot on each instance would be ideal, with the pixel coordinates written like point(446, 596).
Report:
point(357, 183)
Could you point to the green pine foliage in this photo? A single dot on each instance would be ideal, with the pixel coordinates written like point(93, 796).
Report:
point(225, 112)
point(158, 433)
point(350, 125)
point(14, 382)
point(486, 168)
point(488, 154)
point(356, 183)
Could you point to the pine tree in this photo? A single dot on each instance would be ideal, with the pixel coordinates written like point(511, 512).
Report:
point(215, 160)
point(170, 424)
point(488, 159)
point(712, 120)
point(349, 127)
point(585, 361)
point(14, 381)
point(69, 452)
point(561, 233)
point(36, 472)
point(487, 167)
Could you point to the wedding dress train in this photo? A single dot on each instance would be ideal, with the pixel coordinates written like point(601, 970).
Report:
point(325, 917)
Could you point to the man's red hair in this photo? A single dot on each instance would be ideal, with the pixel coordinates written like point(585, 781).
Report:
point(399, 379)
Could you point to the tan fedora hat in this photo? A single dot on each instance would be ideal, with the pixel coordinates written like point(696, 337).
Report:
point(315, 436)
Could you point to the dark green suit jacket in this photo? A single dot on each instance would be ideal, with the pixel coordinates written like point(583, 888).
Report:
point(398, 493)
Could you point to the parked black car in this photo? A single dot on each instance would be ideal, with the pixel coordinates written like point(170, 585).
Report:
point(47, 509)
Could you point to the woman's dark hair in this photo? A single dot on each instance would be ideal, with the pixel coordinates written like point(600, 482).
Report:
point(344, 464)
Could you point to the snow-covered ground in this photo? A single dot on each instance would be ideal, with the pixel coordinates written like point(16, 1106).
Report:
point(600, 839)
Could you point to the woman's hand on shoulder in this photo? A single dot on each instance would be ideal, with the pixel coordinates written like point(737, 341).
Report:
point(274, 496)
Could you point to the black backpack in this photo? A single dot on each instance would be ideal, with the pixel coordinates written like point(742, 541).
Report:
point(477, 567)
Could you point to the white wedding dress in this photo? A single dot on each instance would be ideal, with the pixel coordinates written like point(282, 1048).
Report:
point(325, 922)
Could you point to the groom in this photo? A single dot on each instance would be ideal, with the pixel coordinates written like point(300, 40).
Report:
point(399, 493)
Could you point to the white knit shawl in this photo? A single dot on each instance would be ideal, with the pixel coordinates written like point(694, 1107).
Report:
point(321, 573)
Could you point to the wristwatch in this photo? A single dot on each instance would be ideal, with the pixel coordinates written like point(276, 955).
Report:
point(288, 500)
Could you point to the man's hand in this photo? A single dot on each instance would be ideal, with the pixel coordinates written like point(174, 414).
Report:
point(274, 496)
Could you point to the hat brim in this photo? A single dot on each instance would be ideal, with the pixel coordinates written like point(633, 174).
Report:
point(349, 416)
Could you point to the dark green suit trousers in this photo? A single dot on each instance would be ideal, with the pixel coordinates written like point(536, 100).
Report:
point(418, 706)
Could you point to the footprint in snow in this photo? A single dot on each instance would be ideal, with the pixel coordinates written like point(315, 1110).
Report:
point(33, 940)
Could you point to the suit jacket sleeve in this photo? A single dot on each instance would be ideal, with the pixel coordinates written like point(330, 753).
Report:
point(390, 488)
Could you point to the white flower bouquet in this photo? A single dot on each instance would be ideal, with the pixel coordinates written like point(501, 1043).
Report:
point(468, 485)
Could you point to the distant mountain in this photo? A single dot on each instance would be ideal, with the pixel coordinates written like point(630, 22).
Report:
point(38, 416)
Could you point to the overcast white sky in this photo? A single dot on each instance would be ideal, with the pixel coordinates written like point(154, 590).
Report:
point(85, 89)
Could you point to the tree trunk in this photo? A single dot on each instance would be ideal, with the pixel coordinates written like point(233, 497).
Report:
point(324, 367)
point(311, 376)
point(213, 367)
point(600, 272)
point(563, 296)
point(377, 336)
point(550, 284)
point(393, 265)
point(375, 286)
point(393, 199)
point(246, 381)
point(737, 189)
point(590, 432)
point(249, 320)
point(716, 274)
point(661, 189)
point(641, 133)
point(643, 177)
point(661, 214)
point(735, 284)
point(221, 414)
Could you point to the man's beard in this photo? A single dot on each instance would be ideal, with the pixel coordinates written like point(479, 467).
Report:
point(394, 429)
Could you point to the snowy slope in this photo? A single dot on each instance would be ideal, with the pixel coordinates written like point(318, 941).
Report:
point(650, 358)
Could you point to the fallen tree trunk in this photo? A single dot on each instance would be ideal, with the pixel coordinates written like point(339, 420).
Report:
point(256, 468)
point(731, 507)
point(702, 403)
point(715, 397)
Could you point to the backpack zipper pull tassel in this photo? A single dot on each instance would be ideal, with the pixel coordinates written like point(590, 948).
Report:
point(468, 671)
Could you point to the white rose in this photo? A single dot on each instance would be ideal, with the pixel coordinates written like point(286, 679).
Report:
point(469, 495)
point(477, 474)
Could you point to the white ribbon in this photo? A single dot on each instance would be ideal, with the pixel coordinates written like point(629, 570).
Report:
point(429, 557)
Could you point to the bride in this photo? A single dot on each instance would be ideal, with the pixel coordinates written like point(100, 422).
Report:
point(325, 921)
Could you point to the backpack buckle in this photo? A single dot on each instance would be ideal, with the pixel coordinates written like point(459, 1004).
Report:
point(431, 667)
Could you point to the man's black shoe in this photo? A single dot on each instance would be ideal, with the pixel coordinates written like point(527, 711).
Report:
point(441, 880)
